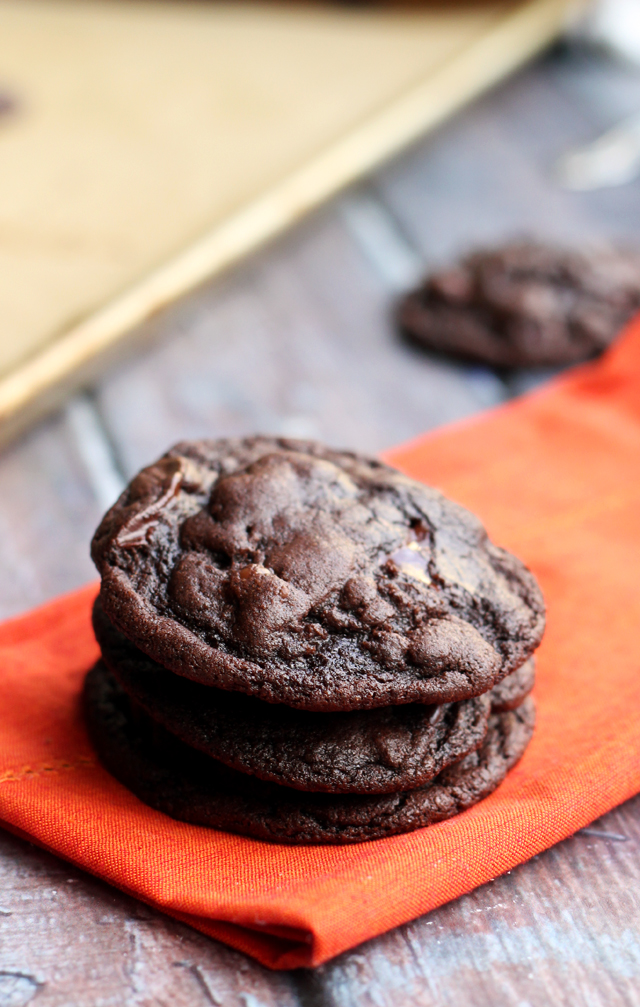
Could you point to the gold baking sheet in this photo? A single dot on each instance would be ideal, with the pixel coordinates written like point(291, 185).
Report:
point(154, 143)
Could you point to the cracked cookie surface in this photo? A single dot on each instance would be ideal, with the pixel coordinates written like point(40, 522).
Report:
point(310, 577)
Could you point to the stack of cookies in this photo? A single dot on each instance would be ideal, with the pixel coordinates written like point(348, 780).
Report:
point(305, 646)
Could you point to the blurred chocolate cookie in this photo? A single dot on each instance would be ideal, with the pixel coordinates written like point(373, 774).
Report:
point(525, 304)
point(185, 784)
point(315, 578)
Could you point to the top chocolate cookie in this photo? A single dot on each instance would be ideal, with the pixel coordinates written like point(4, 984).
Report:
point(311, 577)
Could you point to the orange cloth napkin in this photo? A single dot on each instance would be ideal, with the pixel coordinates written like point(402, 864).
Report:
point(556, 478)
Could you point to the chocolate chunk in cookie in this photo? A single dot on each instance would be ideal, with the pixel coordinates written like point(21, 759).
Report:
point(192, 787)
point(311, 577)
point(525, 305)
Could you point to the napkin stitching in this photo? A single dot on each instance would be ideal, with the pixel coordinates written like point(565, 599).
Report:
point(51, 766)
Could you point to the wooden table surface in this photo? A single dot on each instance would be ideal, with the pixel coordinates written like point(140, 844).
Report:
point(298, 341)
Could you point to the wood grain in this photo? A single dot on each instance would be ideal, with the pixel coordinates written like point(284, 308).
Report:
point(562, 929)
point(47, 515)
point(488, 175)
point(69, 939)
point(298, 342)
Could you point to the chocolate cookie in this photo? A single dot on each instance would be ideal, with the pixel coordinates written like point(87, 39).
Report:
point(311, 577)
point(192, 787)
point(362, 752)
point(513, 689)
point(525, 304)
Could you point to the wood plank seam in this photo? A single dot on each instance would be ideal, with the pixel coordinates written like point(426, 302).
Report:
point(95, 449)
point(380, 239)
point(53, 766)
